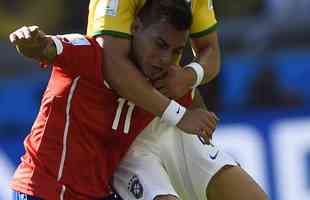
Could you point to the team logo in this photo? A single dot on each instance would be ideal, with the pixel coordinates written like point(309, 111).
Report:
point(214, 156)
point(107, 7)
point(135, 187)
point(210, 4)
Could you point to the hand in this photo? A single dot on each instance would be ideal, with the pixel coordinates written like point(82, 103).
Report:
point(175, 83)
point(199, 122)
point(29, 41)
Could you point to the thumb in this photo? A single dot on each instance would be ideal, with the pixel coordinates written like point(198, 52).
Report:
point(34, 31)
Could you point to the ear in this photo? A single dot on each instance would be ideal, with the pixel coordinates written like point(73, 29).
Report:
point(136, 25)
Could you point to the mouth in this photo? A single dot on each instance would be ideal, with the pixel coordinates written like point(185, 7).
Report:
point(157, 68)
point(157, 73)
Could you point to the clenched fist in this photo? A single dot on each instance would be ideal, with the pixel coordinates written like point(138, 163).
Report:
point(30, 41)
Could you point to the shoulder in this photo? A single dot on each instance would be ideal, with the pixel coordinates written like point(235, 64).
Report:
point(197, 4)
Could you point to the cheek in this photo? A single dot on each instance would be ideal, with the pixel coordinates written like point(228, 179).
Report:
point(153, 53)
point(149, 54)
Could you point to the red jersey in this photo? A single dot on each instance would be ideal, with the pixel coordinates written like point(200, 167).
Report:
point(82, 130)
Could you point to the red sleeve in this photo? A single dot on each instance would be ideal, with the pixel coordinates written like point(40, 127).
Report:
point(78, 55)
point(186, 100)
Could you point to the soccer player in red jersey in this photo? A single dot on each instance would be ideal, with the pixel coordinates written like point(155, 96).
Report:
point(83, 127)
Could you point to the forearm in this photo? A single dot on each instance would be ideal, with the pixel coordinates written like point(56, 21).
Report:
point(208, 55)
point(209, 58)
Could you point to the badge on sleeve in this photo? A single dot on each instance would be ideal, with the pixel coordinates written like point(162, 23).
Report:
point(75, 39)
point(210, 5)
point(107, 7)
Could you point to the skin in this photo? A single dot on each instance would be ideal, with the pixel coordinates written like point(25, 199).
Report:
point(118, 49)
point(33, 43)
point(152, 50)
point(230, 183)
point(233, 183)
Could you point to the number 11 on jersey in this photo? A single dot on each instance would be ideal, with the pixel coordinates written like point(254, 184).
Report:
point(121, 103)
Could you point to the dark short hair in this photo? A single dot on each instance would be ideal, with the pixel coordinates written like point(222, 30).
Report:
point(177, 13)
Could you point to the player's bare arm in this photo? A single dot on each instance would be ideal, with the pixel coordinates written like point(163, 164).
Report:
point(208, 55)
point(126, 79)
point(33, 43)
point(129, 82)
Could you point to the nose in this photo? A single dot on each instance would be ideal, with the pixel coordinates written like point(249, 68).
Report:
point(166, 57)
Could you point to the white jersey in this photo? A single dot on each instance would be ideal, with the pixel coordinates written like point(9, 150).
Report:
point(164, 160)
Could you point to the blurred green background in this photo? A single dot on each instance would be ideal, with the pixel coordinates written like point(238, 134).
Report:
point(262, 93)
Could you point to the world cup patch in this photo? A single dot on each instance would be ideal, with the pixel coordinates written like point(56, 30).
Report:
point(107, 7)
point(135, 187)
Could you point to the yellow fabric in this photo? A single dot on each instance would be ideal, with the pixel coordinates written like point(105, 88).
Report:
point(114, 17)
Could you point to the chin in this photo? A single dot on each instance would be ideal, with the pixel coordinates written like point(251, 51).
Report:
point(148, 76)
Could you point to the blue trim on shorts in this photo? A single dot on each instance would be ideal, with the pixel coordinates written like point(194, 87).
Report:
point(23, 196)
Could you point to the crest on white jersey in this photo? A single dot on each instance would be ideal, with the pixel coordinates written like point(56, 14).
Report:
point(107, 7)
point(135, 187)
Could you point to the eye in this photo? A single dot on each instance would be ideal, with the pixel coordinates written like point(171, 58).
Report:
point(161, 44)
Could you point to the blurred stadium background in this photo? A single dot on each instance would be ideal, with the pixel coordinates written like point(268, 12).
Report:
point(262, 94)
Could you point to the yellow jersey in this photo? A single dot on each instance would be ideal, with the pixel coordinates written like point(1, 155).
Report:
point(114, 17)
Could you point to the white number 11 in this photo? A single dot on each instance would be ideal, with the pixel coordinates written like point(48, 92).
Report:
point(121, 103)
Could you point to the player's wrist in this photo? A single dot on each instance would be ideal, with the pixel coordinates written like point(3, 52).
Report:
point(198, 70)
point(173, 113)
point(190, 77)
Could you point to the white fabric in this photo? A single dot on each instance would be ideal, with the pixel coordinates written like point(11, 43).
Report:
point(199, 71)
point(168, 161)
point(173, 113)
point(58, 44)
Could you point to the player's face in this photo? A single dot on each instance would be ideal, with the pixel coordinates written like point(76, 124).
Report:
point(157, 46)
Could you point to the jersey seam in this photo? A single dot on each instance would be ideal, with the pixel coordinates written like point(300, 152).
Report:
point(204, 32)
point(112, 33)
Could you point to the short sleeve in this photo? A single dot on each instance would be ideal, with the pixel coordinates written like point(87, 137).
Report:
point(204, 20)
point(78, 56)
point(111, 17)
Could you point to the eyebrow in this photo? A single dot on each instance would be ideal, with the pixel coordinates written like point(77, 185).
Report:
point(167, 45)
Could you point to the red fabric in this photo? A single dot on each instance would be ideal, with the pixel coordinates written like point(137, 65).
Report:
point(93, 148)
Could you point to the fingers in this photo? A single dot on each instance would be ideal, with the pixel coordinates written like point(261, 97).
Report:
point(214, 119)
point(33, 29)
point(205, 139)
point(17, 35)
point(199, 122)
point(13, 37)
point(210, 119)
point(24, 34)
point(207, 125)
